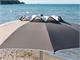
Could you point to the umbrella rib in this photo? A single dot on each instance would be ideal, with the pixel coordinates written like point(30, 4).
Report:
point(49, 36)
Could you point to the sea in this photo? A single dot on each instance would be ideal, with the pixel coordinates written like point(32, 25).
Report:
point(69, 12)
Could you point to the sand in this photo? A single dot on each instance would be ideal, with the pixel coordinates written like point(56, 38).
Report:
point(26, 54)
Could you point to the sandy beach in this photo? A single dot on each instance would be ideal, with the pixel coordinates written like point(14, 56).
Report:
point(23, 54)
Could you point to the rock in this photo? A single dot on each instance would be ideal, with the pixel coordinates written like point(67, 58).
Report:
point(10, 2)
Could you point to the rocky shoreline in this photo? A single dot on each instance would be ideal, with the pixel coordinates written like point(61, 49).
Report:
point(10, 2)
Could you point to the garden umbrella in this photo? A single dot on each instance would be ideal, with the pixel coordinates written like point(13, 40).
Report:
point(45, 36)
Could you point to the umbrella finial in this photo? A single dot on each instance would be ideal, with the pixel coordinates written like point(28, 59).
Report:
point(41, 15)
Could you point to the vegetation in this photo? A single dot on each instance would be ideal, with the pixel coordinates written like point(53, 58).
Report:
point(10, 2)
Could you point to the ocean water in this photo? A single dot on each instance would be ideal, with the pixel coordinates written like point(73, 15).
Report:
point(69, 12)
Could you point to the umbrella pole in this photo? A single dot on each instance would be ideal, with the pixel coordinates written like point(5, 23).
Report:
point(54, 52)
point(41, 55)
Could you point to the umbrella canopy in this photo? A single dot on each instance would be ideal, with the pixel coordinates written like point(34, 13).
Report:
point(46, 36)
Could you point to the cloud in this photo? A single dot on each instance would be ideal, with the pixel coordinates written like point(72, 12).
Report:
point(51, 1)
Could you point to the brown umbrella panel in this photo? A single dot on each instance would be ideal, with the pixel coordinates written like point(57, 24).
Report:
point(46, 36)
point(31, 35)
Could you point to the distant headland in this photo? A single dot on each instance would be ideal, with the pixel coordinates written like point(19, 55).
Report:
point(10, 2)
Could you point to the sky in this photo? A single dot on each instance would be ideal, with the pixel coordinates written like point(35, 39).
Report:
point(51, 1)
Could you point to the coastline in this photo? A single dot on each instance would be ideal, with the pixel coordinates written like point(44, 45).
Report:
point(69, 12)
point(10, 2)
